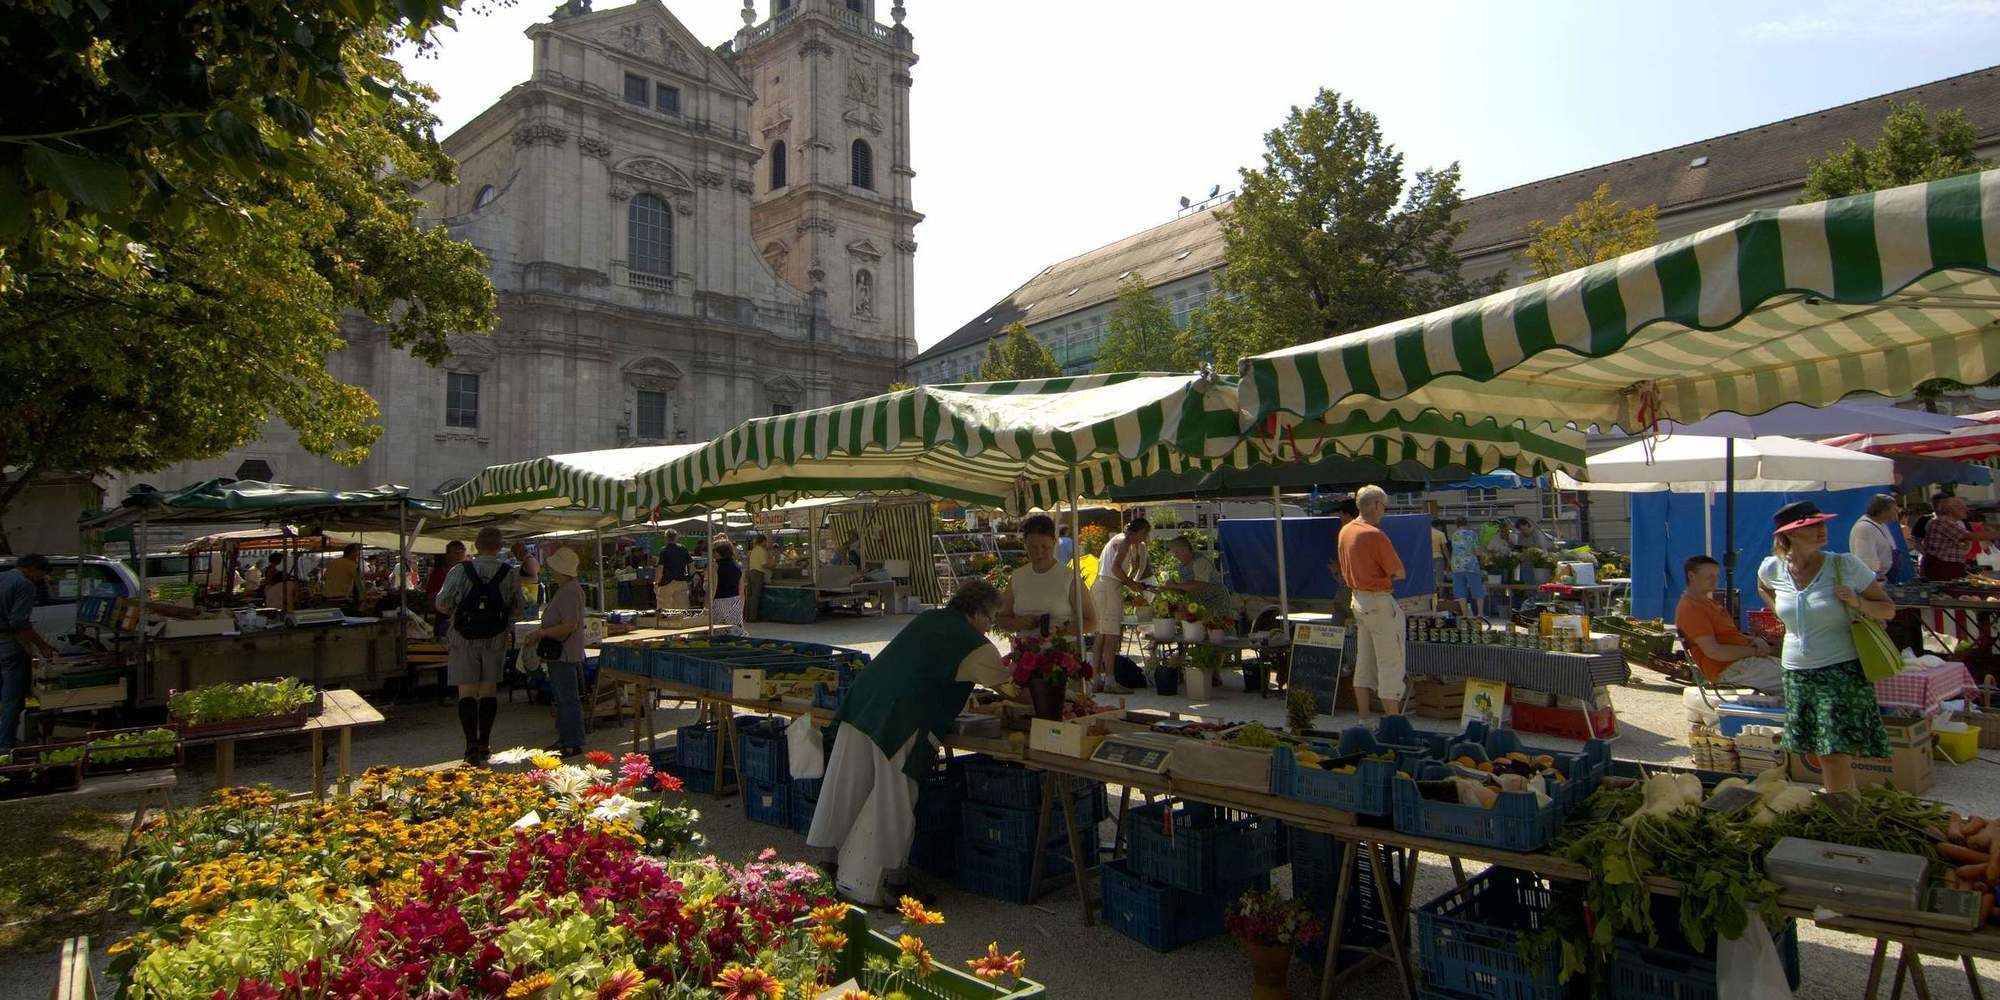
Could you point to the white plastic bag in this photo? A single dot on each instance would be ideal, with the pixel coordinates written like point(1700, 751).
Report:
point(803, 745)
point(1749, 967)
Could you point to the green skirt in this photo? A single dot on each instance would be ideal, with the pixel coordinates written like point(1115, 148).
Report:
point(1832, 709)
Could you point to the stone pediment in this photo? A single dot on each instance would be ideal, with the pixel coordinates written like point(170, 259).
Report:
point(471, 353)
point(654, 172)
point(864, 250)
point(785, 390)
point(864, 119)
point(648, 32)
point(652, 373)
point(778, 127)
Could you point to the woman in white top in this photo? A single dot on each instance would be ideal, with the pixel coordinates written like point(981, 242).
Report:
point(1043, 586)
point(1119, 569)
point(1872, 539)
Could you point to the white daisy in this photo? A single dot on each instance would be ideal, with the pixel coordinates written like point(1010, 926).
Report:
point(531, 819)
point(615, 807)
point(518, 755)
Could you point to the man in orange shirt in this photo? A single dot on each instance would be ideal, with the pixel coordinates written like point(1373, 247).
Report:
point(1370, 567)
point(1724, 655)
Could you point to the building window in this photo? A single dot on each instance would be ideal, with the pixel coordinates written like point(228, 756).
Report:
point(777, 165)
point(650, 242)
point(652, 415)
point(461, 399)
point(780, 409)
point(780, 6)
point(483, 198)
point(635, 90)
point(667, 99)
point(855, 6)
point(862, 161)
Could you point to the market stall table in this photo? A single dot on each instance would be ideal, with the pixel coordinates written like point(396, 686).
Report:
point(148, 785)
point(341, 712)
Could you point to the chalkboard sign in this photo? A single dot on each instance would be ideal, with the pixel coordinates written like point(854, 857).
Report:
point(1320, 654)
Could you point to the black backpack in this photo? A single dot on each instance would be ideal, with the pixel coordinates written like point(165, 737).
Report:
point(483, 612)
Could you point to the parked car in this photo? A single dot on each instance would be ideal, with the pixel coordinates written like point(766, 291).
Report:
point(72, 578)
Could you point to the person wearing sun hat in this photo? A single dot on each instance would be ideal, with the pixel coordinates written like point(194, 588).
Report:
point(562, 622)
point(1830, 707)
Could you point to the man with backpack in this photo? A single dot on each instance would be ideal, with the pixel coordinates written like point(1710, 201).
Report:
point(482, 597)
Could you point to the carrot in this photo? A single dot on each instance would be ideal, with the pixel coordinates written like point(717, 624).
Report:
point(1972, 826)
point(1954, 831)
point(1972, 873)
point(1962, 855)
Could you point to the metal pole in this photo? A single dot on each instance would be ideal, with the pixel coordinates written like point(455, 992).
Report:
point(1729, 529)
point(1284, 590)
point(708, 575)
point(402, 570)
point(145, 673)
point(599, 533)
point(1076, 560)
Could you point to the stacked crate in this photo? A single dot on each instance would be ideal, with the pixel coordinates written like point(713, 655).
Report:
point(766, 765)
point(940, 794)
point(996, 848)
point(1187, 863)
point(1316, 859)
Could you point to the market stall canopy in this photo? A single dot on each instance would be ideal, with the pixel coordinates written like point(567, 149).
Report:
point(590, 480)
point(1799, 420)
point(222, 501)
point(259, 539)
point(1688, 464)
point(1978, 441)
point(1877, 292)
point(1011, 444)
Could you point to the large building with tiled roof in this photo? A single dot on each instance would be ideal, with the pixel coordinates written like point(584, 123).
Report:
point(1695, 185)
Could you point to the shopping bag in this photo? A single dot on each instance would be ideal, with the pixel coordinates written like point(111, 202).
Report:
point(1879, 658)
point(1749, 967)
point(804, 748)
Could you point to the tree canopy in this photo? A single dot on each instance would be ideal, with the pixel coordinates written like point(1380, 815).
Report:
point(1016, 354)
point(192, 196)
point(1913, 147)
point(1140, 335)
point(1595, 230)
point(1327, 237)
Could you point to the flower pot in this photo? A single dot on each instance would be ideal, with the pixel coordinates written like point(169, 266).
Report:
point(1194, 631)
point(1164, 629)
point(1047, 697)
point(1270, 972)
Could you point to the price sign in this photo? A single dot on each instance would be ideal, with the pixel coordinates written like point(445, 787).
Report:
point(1325, 636)
point(1319, 655)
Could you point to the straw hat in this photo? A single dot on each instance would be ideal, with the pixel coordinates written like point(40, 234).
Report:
point(563, 562)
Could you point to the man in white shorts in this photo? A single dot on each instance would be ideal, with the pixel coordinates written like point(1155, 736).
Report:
point(1370, 566)
point(1119, 569)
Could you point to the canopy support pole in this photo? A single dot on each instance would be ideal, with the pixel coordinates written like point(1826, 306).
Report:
point(1076, 565)
point(1278, 528)
point(598, 534)
point(1729, 530)
point(708, 578)
point(145, 673)
point(402, 570)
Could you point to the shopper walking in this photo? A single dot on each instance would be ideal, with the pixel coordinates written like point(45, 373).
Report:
point(676, 569)
point(1830, 707)
point(1370, 566)
point(559, 645)
point(454, 553)
point(1873, 537)
point(483, 599)
point(725, 609)
point(20, 644)
point(755, 572)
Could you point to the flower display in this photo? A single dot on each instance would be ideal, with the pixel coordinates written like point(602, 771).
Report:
point(1031, 657)
point(913, 913)
point(1264, 917)
point(994, 966)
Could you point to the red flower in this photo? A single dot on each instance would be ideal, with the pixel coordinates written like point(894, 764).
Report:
point(600, 758)
point(666, 782)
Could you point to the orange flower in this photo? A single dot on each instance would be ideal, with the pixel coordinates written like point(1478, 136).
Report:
point(913, 947)
point(620, 985)
point(857, 995)
point(993, 965)
point(530, 986)
point(829, 915)
point(748, 982)
point(828, 938)
point(914, 914)
point(600, 758)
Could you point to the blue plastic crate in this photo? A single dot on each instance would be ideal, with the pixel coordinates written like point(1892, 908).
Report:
point(1468, 940)
point(762, 749)
point(936, 855)
point(768, 802)
point(1014, 829)
point(1003, 874)
point(1160, 916)
point(805, 798)
point(1363, 793)
point(695, 746)
point(1515, 823)
point(1000, 783)
point(1316, 859)
point(1673, 969)
point(1199, 848)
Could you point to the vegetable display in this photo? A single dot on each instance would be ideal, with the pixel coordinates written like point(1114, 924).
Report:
point(141, 745)
point(231, 702)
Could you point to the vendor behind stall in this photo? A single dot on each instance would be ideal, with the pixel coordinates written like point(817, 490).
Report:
point(340, 581)
point(891, 722)
point(1043, 586)
point(1724, 655)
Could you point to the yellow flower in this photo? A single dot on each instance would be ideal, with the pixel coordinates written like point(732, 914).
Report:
point(914, 913)
point(828, 939)
point(913, 949)
point(748, 982)
point(530, 986)
point(827, 916)
point(993, 965)
point(545, 762)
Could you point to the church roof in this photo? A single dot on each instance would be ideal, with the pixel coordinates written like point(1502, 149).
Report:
point(1744, 164)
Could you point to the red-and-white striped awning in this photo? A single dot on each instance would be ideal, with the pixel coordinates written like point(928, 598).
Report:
point(1967, 444)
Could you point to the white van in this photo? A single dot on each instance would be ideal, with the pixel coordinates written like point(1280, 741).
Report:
point(72, 578)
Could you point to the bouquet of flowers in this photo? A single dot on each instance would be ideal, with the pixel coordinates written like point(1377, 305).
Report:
point(1032, 657)
point(1263, 917)
point(1191, 612)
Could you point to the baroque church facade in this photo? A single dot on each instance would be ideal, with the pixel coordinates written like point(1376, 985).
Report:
point(682, 237)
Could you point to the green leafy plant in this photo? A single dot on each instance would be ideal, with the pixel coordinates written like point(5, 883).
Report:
point(137, 745)
point(230, 702)
point(1300, 710)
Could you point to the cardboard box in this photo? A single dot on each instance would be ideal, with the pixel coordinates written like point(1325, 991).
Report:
point(1907, 732)
point(1909, 769)
point(1074, 738)
point(747, 684)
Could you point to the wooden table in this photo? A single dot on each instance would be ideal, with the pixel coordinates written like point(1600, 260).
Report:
point(341, 712)
point(148, 785)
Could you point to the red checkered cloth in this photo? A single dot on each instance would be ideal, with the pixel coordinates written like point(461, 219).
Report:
point(1925, 691)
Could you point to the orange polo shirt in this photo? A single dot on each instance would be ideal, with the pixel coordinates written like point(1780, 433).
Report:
point(1367, 560)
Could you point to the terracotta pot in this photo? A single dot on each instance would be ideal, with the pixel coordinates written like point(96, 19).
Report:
point(1047, 697)
point(1270, 972)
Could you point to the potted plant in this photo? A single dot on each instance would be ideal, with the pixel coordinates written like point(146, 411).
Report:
point(1270, 926)
point(1301, 708)
point(121, 750)
point(228, 708)
point(1166, 617)
point(1043, 665)
point(1194, 626)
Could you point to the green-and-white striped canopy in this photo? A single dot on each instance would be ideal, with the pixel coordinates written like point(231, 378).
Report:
point(1012, 444)
point(1810, 303)
point(590, 480)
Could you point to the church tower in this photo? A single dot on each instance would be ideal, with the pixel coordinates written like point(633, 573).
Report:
point(831, 210)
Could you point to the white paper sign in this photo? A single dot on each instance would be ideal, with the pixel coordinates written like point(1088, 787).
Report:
point(1328, 636)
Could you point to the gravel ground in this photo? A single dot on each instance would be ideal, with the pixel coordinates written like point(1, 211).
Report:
point(1070, 958)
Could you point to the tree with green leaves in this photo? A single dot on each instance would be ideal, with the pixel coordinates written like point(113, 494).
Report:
point(1139, 333)
point(1327, 237)
point(1195, 343)
point(1595, 230)
point(193, 195)
point(1015, 355)
point(1913, 147)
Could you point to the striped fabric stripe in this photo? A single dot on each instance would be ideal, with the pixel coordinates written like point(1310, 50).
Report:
point(1809, 303)
point(594, 480)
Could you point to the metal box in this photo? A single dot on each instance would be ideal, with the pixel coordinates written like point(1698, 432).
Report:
point(1836, 874)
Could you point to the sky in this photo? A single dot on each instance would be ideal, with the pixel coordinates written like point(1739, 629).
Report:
point(1043, 129)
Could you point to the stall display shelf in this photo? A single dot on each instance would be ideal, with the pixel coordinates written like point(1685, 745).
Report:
point(1516, 822)
point(944, 983)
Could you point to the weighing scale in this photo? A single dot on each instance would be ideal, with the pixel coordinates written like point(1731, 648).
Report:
point(1147, 752)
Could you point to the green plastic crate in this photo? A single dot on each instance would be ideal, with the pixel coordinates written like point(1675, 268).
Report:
point(943, 984)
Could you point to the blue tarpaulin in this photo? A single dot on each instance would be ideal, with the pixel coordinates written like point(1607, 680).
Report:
point(1494, 481)
point(1674, 533)
point(1250, 564)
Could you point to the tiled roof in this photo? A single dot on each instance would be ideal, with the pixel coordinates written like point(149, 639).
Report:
point(1738, 165)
